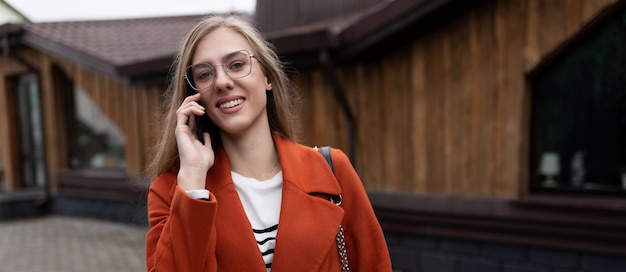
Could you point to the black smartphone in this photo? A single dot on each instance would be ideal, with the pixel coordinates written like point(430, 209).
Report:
point(202, 121)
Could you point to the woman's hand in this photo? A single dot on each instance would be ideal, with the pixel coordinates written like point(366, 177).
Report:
point(195, 158)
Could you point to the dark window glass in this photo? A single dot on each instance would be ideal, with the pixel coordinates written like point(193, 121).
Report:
point(579, 116)
point(30, 131)
point(99, 143)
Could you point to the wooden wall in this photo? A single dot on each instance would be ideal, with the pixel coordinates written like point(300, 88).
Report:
point(447, 113)
point(9, 151)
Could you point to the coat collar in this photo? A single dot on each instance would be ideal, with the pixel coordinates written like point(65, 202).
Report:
point(302, 166)
point(308, 221)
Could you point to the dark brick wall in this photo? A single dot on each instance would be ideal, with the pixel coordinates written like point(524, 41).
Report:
point(430, 254)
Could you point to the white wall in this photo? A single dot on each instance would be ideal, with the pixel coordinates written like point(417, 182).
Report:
point(8, 15)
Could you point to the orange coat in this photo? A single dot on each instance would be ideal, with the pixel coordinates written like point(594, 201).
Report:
point(197, 235)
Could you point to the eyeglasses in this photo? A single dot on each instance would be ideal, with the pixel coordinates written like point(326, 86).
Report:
point(201, 76)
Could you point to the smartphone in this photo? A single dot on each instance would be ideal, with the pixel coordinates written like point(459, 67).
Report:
point(202, 121)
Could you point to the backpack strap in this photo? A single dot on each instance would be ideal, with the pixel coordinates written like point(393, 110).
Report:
point(325, 150)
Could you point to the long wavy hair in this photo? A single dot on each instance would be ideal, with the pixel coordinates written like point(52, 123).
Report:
point(280, 102)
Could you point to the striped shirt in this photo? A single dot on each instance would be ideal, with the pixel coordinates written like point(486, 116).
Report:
point(261, 201)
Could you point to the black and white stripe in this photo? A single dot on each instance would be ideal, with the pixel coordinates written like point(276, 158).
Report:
point(266, 240)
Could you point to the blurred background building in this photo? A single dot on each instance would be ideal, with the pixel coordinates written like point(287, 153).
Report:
point(490, 134)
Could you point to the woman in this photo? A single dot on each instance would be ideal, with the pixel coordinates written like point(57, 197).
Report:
point(243, 195)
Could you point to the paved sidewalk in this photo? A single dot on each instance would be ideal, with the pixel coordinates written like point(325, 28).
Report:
point(66, 244)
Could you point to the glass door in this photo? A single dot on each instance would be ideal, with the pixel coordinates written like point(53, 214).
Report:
point(33, 168)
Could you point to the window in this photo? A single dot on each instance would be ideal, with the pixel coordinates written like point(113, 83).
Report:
point(97, 142)
point(578, 123)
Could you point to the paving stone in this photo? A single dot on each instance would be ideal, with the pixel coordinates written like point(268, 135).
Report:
point(66, 244)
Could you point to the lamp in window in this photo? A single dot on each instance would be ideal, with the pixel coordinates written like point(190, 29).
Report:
point(549, 167)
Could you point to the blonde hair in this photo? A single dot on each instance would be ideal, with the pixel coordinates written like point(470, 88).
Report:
point(280, 102)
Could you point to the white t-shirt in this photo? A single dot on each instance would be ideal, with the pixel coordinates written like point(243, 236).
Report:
point(261, 201)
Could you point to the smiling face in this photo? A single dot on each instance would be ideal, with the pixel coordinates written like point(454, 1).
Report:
point(236, 106)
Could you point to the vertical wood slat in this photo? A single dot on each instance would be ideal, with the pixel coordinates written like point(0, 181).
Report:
point(369, 147)
point(515, 101)
point(51, 98)
point(476, 142)
point(420, 109)
point(113, 101)
point(436, 148)
point(118, 107)
point(373, 135)
point(447, 113)
point(133, 163)
point(143, 131)
point(359, 101)
point(390, 87)
point(459, 109)
point(500, 78)
point(573, 14)
point(149, 122)
point(483, 102)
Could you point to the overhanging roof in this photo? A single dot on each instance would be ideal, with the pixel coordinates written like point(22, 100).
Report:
point(380, 27)
point(123, 48)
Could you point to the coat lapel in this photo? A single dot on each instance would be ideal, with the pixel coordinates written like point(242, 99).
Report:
point(308, 220)
point(237, 249)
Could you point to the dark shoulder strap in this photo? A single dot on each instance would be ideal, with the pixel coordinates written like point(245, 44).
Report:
point(325, 150)
point(341, 240)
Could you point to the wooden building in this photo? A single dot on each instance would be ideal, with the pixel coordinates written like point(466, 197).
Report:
point(489, 134)
point(79, 104)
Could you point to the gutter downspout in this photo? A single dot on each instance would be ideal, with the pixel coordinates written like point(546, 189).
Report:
point(331, 74)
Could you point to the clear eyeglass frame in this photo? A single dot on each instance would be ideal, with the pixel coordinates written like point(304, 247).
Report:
point(201, 76)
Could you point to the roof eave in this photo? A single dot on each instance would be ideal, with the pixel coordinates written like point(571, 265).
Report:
point(370, 33)
point(124, 72)
point(68, 53)
point(152, 66)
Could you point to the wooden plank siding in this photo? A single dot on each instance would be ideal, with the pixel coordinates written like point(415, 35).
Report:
point(448, 113)
point(9, 151)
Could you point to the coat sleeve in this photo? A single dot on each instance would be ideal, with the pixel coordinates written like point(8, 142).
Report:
point(182, 230)
point(366, 245)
